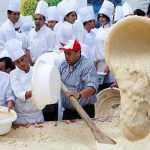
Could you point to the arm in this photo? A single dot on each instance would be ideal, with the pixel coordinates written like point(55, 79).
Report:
point(18, 88)
point(88, 91)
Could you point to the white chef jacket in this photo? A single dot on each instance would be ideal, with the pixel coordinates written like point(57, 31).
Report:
point(99, 52)
point(6, 93)
point(7, 31)
point(40, 42)
point(26, 110)
point(88, 38)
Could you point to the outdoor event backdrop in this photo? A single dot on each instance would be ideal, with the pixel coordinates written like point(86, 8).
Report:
point(28, 6)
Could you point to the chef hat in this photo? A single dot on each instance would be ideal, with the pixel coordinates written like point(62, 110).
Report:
point(14, 48)
point(87, 13)
point(65, 33)
point(118, 13)
point(127, 10)
point(42, 8)
point(67, 6)
point(107, 8)
point(14, 5)
point(52, 13)
point(27, 23)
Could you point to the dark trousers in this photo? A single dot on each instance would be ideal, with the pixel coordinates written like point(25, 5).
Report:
point(50, 112)
point(104, 86)
point(73, 114)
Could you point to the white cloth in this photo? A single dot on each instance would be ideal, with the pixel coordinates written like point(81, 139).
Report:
point(40, 42)
point(67, 6)
point(99, 54)
point(14, 5)
point(23, 38)
point(107, 8)
point(53, 13)
point(127, 10)
point(7, 31)
point(118, 13)
point(14, 48)
point(87, 44)
point(87, 13)
point(6, 93)
point(26, 110)
point(41, 8)
point(64, 33)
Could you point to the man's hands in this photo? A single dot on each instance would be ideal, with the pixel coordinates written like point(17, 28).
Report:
point(71, 93)
point(10, 105)
point(106, 70)
point(28, 94)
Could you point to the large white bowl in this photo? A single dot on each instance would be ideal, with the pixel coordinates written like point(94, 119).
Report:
point(6, 123)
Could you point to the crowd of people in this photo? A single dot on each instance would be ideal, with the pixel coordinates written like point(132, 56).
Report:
point(66, 30)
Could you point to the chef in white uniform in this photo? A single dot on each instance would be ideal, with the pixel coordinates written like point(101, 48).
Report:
point(7, 30)
point(88, 36)
point(7, 97)
point(53, 17)
point(20, 79)
point(40, 39)
point(104, 17)
point(68, 14)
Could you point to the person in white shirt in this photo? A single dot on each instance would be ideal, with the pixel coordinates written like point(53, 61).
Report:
point(88, 36)
point(53, 17)
point(7, 97)
point(20, 79)
point(104, 17)
point(40, 39)
point(7, 30)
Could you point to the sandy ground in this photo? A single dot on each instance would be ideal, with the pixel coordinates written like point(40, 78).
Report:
point(67, 136)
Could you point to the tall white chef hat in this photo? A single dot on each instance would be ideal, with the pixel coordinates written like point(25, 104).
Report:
point(14, 5)
point(118, 13)
point(127, 10)
point(107, 8)
point(52, 13)
point(14, 48)
point(87, 13)
point(67, 6)
point(42, 8)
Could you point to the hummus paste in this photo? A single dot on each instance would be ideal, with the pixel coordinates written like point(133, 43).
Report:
point(128, 57)
point(69, 136)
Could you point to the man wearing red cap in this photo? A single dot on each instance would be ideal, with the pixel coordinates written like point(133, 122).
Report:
point(80, 77)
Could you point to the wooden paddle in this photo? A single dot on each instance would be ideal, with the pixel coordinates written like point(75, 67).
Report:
point(99, 136)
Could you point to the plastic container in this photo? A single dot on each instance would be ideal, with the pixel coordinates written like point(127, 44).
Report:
point(6, 120)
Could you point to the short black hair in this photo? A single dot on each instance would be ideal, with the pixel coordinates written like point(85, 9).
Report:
point(108, 19)
point(8, 63)
point(148, 10)
point(139, 12)
point(69, 14)
point(84, 23)
point(9, 11)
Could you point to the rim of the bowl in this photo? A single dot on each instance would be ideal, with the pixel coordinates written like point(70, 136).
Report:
point(8, 120)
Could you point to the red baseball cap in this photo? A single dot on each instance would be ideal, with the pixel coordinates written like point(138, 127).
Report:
point(71, 45)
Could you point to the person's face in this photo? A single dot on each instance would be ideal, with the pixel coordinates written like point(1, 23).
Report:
point(72, 57)
point(14, 16)
point(39, 21)
point(72, 17)
point(22, 63)
point(51, 24)
point(92, 24)
point(2, 66)
point(103, 20)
